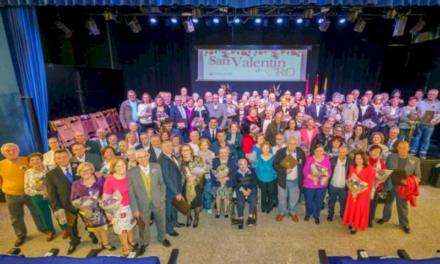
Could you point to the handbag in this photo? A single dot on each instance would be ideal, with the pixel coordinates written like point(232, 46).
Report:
point(182, 206)
point(289, 162)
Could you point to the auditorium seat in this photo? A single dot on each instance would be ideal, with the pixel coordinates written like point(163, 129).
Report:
point(75, 124)
point(88, 125)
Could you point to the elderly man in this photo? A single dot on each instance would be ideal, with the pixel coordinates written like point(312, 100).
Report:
point(147, 195)
point(411, 165)
point(49, 156)
point(12, 170)
point(275, 127)
point(91, 146)
point(429, 111)
point(172, 177)
point(289, 180)
point(393, 139)
point(317, 110)
point(218, 110)
point(245, 188)
point(324, 137)
point(80, 155)
point(101, 138)
point(179, 117)
point(128, 112)
point(350, 111)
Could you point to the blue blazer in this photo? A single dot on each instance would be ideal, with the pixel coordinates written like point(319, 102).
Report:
point(207, 134)
point(232, 165)
point(171, 175)
point(175, 114)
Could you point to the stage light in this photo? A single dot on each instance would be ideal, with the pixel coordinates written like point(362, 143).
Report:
point(92, 27)
point(174, 20)
point(299, 20)
point(188, 26)
point(360, 25)
point(323, 27)
point(237, 20)
point(134, 25)
point(342, 20)
point(399, 26)
point(61, 26)
point(257, 20)
point(153, 20)
point(354, 14)
point(279, 20)
point(417, 27)
point(391, 13)
point(321, 20)
point(309, 13)
point(216, 20)
point(195, 20)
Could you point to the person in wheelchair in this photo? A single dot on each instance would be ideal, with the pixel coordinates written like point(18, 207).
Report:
point(245, 188)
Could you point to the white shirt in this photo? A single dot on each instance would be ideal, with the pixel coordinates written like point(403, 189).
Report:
point(338, 179)
point(293, 175)
point(195, 148)
point(363, 109)
point(145, 170)
point(157, 151)
point(82, 159)
point(49, 159)
point(266, 123)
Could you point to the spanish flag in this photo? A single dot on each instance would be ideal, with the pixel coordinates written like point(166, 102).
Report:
point(316, 87)
point(325, 85)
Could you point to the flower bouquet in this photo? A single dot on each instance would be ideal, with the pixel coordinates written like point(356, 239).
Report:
point(319, 173)
point(356, 186)
point(221, 174)
point(89, 208)
point(198, 123)
point(111, 203)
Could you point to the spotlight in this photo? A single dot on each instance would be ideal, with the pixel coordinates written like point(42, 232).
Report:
point(237, 20)
point(195, 20)
point(417, 27)
point(153, 20)
point(61, 26)
point(92, 27)
point(399, 26)
point(258, 20)
point(299, 20)
point(188, 26)
point(321, 20)
point(360, 25)
point(342, 20)
point(134, 25)
point(309, 12)
point(324, 25)
point(279, 20)
point(174, 20)
point(354, 14)
point(216, 20)
point(391, 13)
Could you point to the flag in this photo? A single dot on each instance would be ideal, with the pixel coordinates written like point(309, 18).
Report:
point(316, 87)
point(325, 85)
point(306, 91)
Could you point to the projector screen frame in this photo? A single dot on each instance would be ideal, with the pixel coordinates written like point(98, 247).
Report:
point(254, 47)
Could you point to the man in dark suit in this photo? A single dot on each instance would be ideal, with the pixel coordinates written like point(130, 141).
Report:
point(155, 148)
point(324, 137)
point(275, 127)
point(210, 132)
point(366, 110)
point(101, 138)
point(337, 188)
point(80, 155)
point(393, 139)
point(173, 182)
point(144, 141)
point(59, 185)
point(179, 117)
point(91, 146)
point(147, 195)
point(289, 180)
point(317, 110)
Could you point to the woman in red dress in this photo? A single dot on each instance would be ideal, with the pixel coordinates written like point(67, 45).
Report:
point(360, 182)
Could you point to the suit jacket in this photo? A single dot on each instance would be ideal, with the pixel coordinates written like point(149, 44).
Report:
point(318, 117)
point(412, 166)
point(289, 110)
point(272, 130)
point(90, 157)
point(175, 114)
point(59, 188)
point(91, 147)
point(125, 113)
point(322, 139)
point(201, 114)
point(171, 175)
point(348, 165)
point(139, 201)
point(220, 113)
point(369, 114)
point(153, 156)
point(393, 147)
point(281, 171)
point(154, 112)
point(206, 133)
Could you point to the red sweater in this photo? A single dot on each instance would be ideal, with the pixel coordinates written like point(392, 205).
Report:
point(410, 190)
point(247, 143)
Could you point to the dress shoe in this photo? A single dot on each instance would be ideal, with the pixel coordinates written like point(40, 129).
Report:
point(240, 225)
point(179, 225)
point(189, 221)
point(217, 216)
point(50, 236)
point(19, 241)
point(71, 249)
point(381, 221)
point(226, 216)
point(196, 222)
point(279, 218)
point(65, 234)
point(370, 225)
point(317, 221)
point(406, 229)
point(108, 247)
point(307, 218)
point(141, 250)
point(173, 234)
point(235, 221)
point(330, 218)
point(268, 211)
point(295, 218)
point(166, 243)
point(353, 232)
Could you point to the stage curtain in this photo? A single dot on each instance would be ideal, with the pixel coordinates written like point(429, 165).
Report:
point(21, 26)
point(232, 3)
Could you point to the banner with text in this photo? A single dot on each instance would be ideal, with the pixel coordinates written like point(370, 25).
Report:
point(252, 64)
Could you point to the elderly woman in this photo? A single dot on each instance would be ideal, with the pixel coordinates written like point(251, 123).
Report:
point(360, 183)
point(194, 170)
point(145, 112)
point(307, 134)
point(223, 167)
point(115, 192)
point(245, 188)
point(377, 138)
point(234, 138)
point(317, 171)
point(35, 187)
point(407, 122)
point(160, 112)
point(207, 156)
point(85, 196)
point(335, 143)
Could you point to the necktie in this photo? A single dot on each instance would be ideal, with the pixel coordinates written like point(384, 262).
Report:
point(147, 182)
point(212, 134)
point(69, 175)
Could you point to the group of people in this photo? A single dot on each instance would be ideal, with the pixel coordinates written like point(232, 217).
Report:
point(220, 153)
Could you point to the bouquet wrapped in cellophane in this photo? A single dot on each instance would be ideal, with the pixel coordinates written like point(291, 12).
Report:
point(111, 203)
point(87, 204)
point(356, 185)
point(198, 123)
point(319, 174)
point(222, 174)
